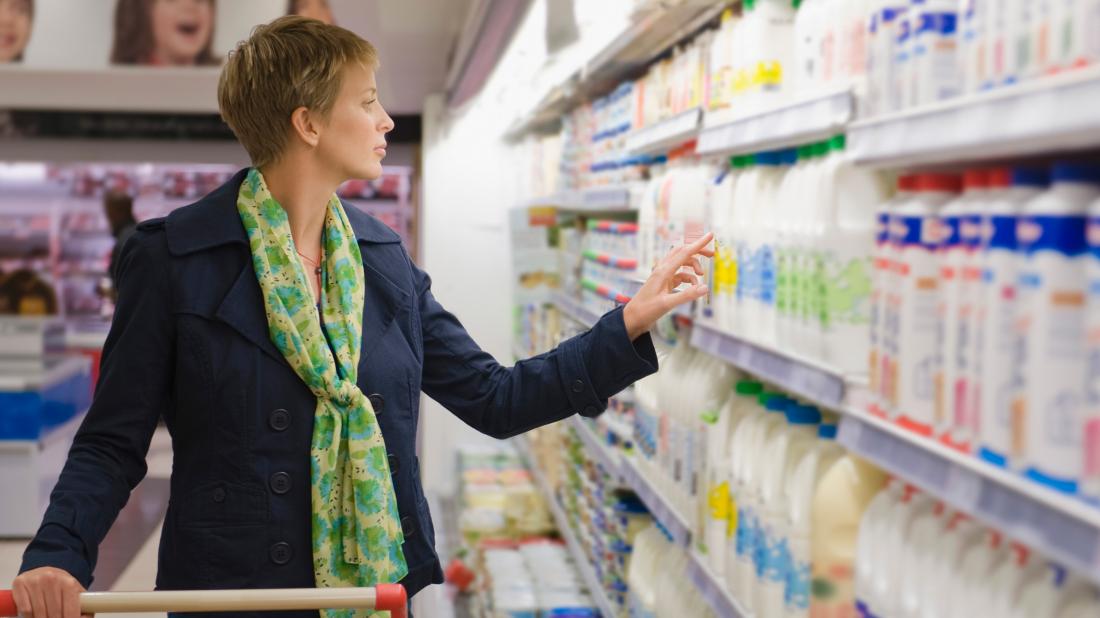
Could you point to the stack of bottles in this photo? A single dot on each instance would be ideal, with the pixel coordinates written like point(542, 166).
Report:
point(604, 519)
point(795, 235)
point(986, 329)
point(893, 55)
point(609, 264)
point(658, 584)
point(498, 499)
point(783, 504)
point(537, 579)
point(916, 557)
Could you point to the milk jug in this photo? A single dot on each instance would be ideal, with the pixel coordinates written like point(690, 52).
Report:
point(1051, 327)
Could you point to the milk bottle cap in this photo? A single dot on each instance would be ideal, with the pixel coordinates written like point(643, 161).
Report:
point(975, 179)
point(820, 149)
point(799, 414)
point(1029, 177)
point(826, 432)
point(1000, 177)
point(948, 183)
point(1067, 171)
point(773, 402)
point(748, 388)
point(838, 143)
point(908, 182)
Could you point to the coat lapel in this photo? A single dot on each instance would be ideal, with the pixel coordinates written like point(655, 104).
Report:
point(243, 309)
point(382, 299)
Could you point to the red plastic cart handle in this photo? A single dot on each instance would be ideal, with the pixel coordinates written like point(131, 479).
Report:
point(391, 597)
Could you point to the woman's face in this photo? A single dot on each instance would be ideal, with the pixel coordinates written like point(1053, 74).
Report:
point(15, 28)
point(181, 30)
point(353, 140)
point(314, 9)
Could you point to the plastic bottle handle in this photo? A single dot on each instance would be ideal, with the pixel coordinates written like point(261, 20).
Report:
point(391, 597)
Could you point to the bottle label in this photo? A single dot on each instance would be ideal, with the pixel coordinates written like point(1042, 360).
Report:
point(767, 274)
point(847, 290)
point(1064, 235)
point(1003, 233)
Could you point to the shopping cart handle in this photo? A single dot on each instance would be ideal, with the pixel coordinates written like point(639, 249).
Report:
point(390, 597)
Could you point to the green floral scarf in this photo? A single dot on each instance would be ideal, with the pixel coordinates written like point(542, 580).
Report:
point(357, 535)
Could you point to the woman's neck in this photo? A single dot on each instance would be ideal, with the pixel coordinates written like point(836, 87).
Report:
point(304, 198)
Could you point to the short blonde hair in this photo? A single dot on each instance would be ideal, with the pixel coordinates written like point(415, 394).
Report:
point(289, 63)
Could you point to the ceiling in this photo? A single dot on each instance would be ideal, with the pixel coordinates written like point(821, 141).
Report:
point(414, 38)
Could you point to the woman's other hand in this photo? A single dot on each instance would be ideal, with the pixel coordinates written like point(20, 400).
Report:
point(47, 592)
point(658, 294)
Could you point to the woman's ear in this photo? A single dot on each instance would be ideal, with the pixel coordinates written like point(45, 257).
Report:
point(306, 125)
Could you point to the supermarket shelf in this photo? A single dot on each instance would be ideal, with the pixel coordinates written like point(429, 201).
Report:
point(714, 590)
point(607, 458)
point(814, 381)
point(665, 134)
point(800, 122)
point(665, 513)
point(575, 310)
point(603, 199)
point(588, 574)
point(1065, 529)
point(651, 31)
point(1051, 114)
point(113, 89)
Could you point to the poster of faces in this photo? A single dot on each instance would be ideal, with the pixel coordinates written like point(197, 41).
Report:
point(89, 34)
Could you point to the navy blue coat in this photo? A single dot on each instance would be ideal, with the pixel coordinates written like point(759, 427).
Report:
point(189, 342)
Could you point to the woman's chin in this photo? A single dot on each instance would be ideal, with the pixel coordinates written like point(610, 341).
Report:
point(371, 171)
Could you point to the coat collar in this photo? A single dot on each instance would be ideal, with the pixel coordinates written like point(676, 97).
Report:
point(213, 221)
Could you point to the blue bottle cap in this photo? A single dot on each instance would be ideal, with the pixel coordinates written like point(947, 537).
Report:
point(1029, 177)
point(1067, 171)
point(799, 414)
point(826, 432)
point(777, 403)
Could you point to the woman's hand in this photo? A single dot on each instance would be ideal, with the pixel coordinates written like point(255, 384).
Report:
point(47, 592)
point(658, 296)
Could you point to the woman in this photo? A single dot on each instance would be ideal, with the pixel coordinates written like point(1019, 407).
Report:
point(16, 17)
point(164, 32)
point(276, 330)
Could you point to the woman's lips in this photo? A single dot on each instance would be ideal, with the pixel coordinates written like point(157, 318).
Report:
point(188, 30)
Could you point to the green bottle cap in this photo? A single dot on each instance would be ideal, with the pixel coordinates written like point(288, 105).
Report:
point(749, 388)
point(838, 143)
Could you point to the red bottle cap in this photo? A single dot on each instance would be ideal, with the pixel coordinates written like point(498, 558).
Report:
point(949, 183)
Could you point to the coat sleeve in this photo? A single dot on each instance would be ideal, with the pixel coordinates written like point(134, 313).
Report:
point(107, 458)
point(576, 377)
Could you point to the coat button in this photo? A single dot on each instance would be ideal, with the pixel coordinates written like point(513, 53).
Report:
point(279, 420)
point(395, 464)
point(377, 402)
point(408, 526)
point(280, 553)
point(578, 386)
point(280, 482)
point(219, 495)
